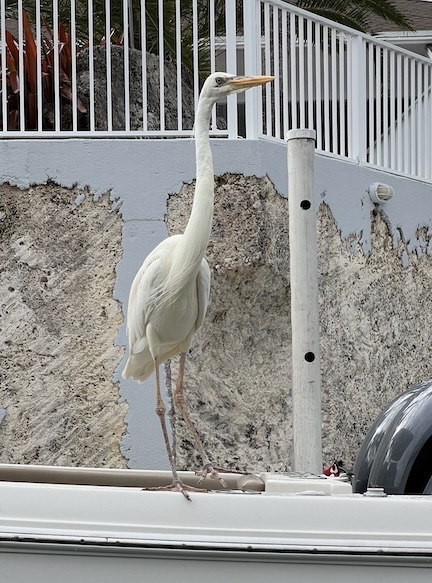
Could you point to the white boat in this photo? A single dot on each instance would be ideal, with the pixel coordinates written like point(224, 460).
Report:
point(66, 525)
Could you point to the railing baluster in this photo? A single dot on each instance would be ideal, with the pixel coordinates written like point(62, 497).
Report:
point(267, 53)
point(108, 63)
point(126, 64)
point(385, 112)
point(285, 103)
point(4, 90)
point(195, 40)
point(212, 53)
point(91, 66)
point(358, 96)
point(74, 66)
point(259, 64)
point(371, 98)
point(318, 125)
point(326, 82)
point(252, 53)
point(301, 72)
point(428, 121)
point(334, 116)
point(378, 95)
point(56, 48)
point(161, 65)
point(231, 52)
point(179, 65)
point(392, 95)
point(143, 26)
point(405, 121)
point(22, 125)
point(342, 94)
point(413, 115)
point(39, 101)
point(276, 70)
point(310, 83)
point(399, 113)
point(420, 122)
point(293, 71)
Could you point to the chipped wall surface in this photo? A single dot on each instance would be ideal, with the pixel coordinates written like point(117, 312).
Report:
point(374, 321)
point(375, 280)
point(58, 319)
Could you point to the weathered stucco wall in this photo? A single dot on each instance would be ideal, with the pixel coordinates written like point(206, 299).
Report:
point(61, 354)
point(374, 318)
point(58, 251)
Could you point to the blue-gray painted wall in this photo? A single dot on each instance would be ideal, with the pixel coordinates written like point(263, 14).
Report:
point(140, 174)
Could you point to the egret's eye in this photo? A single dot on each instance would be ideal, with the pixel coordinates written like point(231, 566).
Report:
point(219, 80)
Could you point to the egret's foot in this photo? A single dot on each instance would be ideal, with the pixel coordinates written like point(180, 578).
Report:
point(211, 471)
point(177, 486)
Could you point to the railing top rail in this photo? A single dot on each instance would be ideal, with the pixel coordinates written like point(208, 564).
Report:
point(342, 28)
point(137, 134)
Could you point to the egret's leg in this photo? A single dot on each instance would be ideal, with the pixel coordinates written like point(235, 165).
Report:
point(160, 410)
point(180, 404)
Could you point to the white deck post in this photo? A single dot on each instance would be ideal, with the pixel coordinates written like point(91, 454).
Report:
point(306, 380)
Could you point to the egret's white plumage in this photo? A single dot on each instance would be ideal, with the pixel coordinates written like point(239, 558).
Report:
point(173, 314)
point(169, 295)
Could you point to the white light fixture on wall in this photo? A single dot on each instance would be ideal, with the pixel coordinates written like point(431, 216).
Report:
point(380, 193)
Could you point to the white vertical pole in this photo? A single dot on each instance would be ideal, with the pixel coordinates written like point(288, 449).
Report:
point(306, 383)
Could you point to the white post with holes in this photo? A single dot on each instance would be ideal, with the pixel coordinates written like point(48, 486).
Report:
point(306, 378)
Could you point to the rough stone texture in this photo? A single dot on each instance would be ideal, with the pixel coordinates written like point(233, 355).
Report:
point(375, 322)
point(58, 320)
point(135, 88)
point(375, 330)
point(233, 391)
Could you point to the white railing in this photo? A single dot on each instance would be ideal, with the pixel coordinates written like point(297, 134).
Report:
point(369, 101)
point(77, 68)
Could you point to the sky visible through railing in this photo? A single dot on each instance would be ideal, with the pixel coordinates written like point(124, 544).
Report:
point(116, 68)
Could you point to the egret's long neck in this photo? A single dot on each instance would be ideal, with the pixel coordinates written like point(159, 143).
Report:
point(197, 232)
point(192, 245)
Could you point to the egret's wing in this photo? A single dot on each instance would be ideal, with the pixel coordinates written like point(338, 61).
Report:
point(203, 292)
point(138, 311)
point(142, 295)
point(140, 362)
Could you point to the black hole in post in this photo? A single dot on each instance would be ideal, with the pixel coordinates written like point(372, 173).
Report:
point(305, 205)
point(309, 357)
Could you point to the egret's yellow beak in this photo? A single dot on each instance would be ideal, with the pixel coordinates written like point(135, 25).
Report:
point(250, 81)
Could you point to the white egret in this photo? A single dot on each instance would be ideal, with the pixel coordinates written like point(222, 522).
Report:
point(169, 295)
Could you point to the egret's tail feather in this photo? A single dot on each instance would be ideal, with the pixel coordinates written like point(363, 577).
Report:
point(138, 366)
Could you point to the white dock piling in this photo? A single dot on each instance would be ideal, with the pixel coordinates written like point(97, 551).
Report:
point(306, 380)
